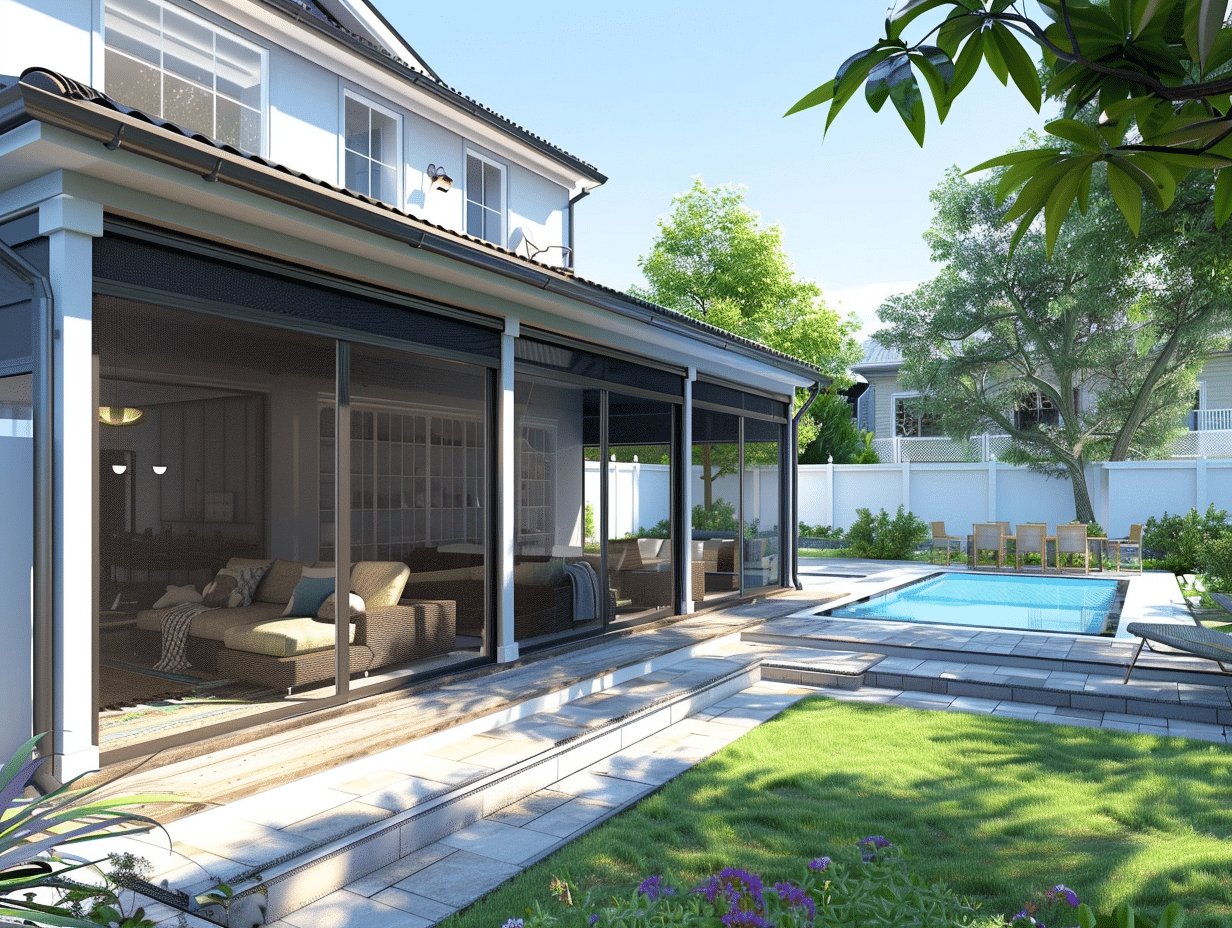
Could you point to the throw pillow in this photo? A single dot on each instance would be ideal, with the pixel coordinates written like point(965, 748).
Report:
point(177, 595)
point(232, 587)
point(327, 613)
point(315, 585)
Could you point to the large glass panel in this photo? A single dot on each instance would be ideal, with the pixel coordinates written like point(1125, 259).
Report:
point(17, 406)
point(762, 502)
point(557, 591)
point(716, 498)
point(134, 84)
point(639, 550)
point(419, 504)
point(207, 511)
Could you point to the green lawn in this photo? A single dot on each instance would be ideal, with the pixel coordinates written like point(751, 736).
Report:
point(995, 807)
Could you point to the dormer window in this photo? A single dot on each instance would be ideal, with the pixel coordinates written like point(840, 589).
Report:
point(178, 67)
point(485, 198)
point(371, 149)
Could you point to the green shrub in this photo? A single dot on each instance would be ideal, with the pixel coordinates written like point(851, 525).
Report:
point(819, 531)
point(1178, 540)
point(884, 538)
point(1215, 563)
point(720, 517)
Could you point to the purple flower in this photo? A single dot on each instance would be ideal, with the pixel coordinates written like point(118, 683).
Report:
point(797, 898)
point(653, 888)
point(869, 847)
point(513, 923)
point(1062, 891)
point(594, 917)
point(741, 919)
point(819, 864)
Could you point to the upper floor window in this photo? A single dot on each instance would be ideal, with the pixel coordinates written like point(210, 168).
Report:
point(485, 198)
point(913, 418)
point(371, 149)
point(170, 64)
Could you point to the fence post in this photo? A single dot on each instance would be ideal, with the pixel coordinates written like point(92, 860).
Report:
point(1200, 492)
point(830, 493)
point(907, 486)
point(992, 490)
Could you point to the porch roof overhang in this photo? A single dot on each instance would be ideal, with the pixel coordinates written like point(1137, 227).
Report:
point(45, 98)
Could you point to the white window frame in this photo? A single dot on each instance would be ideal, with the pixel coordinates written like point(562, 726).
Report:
point(504, 194)
point(217, 29)
point(399, 170)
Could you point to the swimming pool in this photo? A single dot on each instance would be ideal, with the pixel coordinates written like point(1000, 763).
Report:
point(1050, 604)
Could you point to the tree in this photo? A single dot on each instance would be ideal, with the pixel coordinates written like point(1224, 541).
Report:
point(838, 436)
point(714, 260)
point(1159, 72)
point(1087, 355)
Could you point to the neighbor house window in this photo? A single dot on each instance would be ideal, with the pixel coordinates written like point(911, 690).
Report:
point(169, 64)
point(912, 418)
point(371, 144)
point(485, 198)
point(1038, 409)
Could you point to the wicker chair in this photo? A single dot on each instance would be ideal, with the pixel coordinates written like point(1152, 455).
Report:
point(987, 536)
point(1031, 538)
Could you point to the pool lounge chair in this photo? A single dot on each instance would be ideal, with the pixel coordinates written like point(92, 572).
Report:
point(943, 541)
point(1188, 639)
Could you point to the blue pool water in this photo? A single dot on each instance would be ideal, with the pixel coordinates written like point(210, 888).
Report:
point(1050, 604)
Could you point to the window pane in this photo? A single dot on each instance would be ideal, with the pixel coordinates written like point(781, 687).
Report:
point(239, 71)
point(356, 173)
point(229, 122)
point(357, 127)
point(189, 106)
point(134, 84)
point(384, 138)
point(474, 219)
point(132, 25)
point(474, 179)
point(189, 49)
point(491, 186)
point(250, 130)
point(384, 183)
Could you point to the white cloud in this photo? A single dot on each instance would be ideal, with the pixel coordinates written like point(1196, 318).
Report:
point(865, 300)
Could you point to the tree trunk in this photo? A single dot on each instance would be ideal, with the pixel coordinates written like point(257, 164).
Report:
point(1083, 510)
point(707, 477)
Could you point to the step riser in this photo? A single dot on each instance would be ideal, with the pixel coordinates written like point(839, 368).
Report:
point(360, 854)
point(1040, 696)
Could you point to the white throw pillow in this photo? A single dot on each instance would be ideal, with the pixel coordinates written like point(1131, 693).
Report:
point(178, 595)
point(326, 612)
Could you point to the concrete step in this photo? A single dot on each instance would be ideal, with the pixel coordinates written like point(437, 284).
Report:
point(1101, 691)
point(397, 802)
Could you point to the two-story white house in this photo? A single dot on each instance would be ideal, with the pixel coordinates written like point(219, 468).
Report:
point(288, 322)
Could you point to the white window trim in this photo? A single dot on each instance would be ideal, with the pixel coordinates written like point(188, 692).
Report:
point(399, 166)
point(1201, 387)
point(226, 28)
point(504, 204)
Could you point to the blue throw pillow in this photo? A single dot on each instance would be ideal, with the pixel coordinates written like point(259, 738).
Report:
point(309, 594)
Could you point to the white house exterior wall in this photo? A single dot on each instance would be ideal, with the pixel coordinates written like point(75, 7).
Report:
point(1217, 375)
point(65, 30)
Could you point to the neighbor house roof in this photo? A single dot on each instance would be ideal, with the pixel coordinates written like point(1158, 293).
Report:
point(46, 96)
point(877, 357)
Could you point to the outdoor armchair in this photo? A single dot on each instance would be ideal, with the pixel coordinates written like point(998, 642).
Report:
point(943, 541)
point(1131, 545)
point(1072, 542)
point(987, 536)
point(1031, 538)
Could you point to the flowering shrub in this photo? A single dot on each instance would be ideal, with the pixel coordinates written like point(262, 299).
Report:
point(875, 892)
point(1053, 908)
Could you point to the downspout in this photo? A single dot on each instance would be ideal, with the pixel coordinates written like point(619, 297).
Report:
point(814, 390)
point(585, 193)
point(43, 666)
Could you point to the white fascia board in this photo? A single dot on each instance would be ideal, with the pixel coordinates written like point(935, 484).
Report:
point(361, 19)
point(316, 49)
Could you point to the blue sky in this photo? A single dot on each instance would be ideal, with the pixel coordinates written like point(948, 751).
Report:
point(654, 94)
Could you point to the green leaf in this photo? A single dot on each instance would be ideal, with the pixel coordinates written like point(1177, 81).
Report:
point(851, 75)
point(1127, 195)
point(909, 11)
point(938, 71)
point(907, 99)
point(1173, 916)
point(877, 87)
point(1121, 11)
point(1061, 199)
point(1015, 176)
point(813, 98)
point(1016, 157)
point(1183, 131)
point(966, 66)
point(1084, 191)
point(1036, 192)
point(1164, 182)
point(1077, 132)
point(996, 61)
point(1144, 12)
point(957, 26)
point(1020, 64)
point(1223, 197)
point(1203, 21)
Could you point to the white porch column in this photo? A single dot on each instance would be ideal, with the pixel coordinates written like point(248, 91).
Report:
point(506, 643)
point(687, 604)
point(71, 225)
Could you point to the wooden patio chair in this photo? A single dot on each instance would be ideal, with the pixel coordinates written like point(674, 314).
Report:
point(1031, 538)
point(1188, 639)
point(943, 541)
point(1131, 545)
point(1072, 541)
point(987, 536)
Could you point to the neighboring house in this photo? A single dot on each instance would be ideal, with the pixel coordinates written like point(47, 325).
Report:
point(285, 317)
point(904, 431)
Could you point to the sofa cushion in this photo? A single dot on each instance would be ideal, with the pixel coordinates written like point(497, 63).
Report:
point(380, 583)
point(456, 575)
point(327, 612)
point(177, 595)
point(213, 623)
point(279, 581)
point(314, 587)
point(282, 637)
point(232, 587)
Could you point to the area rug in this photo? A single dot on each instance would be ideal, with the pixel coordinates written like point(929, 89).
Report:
point(207, 703)
point(120, 689)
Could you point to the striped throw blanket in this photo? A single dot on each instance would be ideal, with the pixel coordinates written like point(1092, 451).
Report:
point(176, 622)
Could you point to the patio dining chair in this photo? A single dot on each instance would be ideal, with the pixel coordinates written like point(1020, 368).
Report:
point(1131, 545)
point(1031, 538)
point(987, 536)
point(942, 541)
point(1072, 542)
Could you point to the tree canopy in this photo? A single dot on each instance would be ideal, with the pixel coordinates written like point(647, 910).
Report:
point(1158, 72)
point(713, 259)
point(1087, 355)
